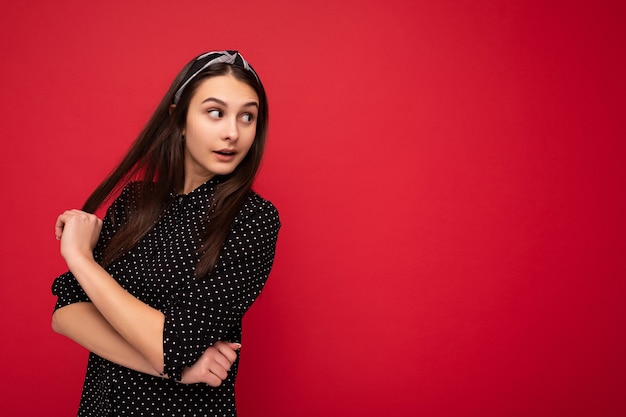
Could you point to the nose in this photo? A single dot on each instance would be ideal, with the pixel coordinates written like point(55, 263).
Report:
point(231, 130)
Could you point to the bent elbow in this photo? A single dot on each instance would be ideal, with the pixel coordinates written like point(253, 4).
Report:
point(57, 325)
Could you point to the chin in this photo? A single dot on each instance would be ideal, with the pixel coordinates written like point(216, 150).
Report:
point(223, 172)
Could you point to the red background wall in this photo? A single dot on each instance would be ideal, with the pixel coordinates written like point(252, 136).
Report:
point(449, 175)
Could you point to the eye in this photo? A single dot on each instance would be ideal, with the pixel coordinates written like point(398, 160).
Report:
point(247, 117)
point(215, 113)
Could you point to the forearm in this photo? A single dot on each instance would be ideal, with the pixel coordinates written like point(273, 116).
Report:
point(84, 324)
point(140, 325)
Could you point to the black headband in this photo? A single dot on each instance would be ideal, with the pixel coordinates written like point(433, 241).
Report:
point(206, 60)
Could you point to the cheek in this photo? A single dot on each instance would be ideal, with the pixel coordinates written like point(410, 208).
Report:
point(191, 143)
point(248, 146)
point(252, 135)
point(246, 136)
point(250, 143)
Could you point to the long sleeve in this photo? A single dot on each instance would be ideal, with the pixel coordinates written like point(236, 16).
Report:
point(160, 272)
point(205, 311)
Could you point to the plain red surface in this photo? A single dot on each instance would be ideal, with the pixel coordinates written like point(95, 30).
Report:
point(450, 177)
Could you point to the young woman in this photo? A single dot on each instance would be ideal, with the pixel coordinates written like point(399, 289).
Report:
point(157, 289)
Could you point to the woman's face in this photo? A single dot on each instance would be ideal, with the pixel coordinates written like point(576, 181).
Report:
point(219, 128)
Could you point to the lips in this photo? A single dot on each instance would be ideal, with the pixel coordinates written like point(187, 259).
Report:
point(226, 152)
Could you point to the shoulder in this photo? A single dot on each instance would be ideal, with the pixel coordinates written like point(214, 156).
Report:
point(258, 209)
point(125, 202)
point(133, 192)
point(135, 189)
point(256, 203)
point(128, 193)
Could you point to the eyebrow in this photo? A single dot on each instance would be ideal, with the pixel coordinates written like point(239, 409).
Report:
point(223, 103)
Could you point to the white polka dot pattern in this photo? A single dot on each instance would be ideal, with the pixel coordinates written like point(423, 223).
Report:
point(160, 272)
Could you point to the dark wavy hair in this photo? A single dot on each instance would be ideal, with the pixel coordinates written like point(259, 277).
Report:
point(156, 161)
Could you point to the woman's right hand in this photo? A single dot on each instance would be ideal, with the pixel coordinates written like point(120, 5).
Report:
point(213, 366)
point(78, 232)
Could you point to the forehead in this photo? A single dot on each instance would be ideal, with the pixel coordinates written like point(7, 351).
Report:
point(226, 88)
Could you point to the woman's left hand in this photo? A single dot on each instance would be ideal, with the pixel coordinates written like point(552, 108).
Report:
point(213, 366)
point(78, 232)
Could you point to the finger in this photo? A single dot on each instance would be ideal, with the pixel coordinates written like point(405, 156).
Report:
point(228, 345)
point(63, 218)
point(58, 229)
point(78, 218)
point(221, 361)
point(225, 349)
point(224, 355)
point(212, 380)
point(219, 372)
point(60, 224)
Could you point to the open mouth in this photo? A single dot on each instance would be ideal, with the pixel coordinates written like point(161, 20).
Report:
point(225, 152)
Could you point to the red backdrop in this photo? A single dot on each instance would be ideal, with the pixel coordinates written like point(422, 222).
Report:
point(449, 175)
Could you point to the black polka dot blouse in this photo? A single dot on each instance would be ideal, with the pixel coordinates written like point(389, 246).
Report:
point(160, 272)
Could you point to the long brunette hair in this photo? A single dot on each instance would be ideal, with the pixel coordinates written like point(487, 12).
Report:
point(156, 161)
